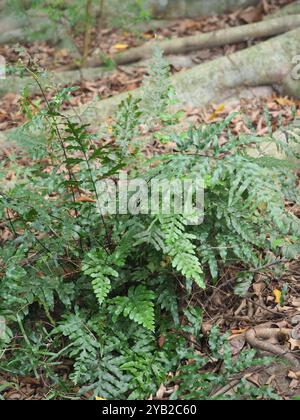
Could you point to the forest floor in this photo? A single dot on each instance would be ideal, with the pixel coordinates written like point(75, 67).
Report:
point(266, 305)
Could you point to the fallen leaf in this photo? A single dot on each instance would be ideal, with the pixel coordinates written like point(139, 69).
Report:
point(253, 378)
point(277, 294)
point(121, 47)
point(293, 375)
point(85, 199)
point(295, 320)
point(161, 341)
point(284, 101)
point(161, 392)
point(259, 287)
point(296, 332)
point(296, 302)
point(294, 384)
point(216, 112)
point(237, 344)
point(252, 14)
point(271, 380)
point(295, 344)
point(238, 332)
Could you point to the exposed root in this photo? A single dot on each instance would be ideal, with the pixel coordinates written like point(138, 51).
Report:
point(257, 338)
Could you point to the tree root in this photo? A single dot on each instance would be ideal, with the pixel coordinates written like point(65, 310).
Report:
point(266, 64)
point(213, 39)
point(255, 337)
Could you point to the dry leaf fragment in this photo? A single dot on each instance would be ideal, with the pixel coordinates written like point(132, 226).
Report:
point(161, 341)
point(252, 14)
point(284, 101)
point(217, 111)
point(294, 384)
point(293, 375)
point(296, 332)
point(85, 199)
point(161, 392)
point(295, 344)
point(277, 294)
point(259, 287)
point(237, 332)
point(237, 344)
point(296, 302)
point(120, 47)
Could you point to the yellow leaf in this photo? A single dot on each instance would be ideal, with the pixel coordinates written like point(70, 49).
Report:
point(285, 101)
point(277, 294)
point(100, 399)
point(217, 111)
point(110, 129)
point(120, 47)
point(148, 36)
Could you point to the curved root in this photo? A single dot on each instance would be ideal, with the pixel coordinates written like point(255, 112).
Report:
point(255, 337)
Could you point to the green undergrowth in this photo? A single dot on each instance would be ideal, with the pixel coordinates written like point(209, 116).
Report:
point(105, 297)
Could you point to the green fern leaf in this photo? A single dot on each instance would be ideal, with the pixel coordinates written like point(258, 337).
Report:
point(137, 306)
point(96, 266)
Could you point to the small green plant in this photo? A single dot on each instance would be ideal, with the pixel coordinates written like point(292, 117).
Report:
point(227, 384)
point(132, 15)
point(101, 289)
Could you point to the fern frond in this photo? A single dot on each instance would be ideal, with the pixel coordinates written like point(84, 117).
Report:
point(180, 247)
point(96, 266)
point(137, 306)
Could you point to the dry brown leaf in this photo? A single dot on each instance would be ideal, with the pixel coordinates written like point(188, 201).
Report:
point(295, 344)
point(161, 341)
point(284, 101)
point(161, 392)
point(296, 333)
point(253, 378)
point(296, 302)
point(271, 380)
point(293, 375)
point(294, 384)
point(237, 344)
point(259, 287)
point(238, 332)
point(251, 14)
point(85, 199)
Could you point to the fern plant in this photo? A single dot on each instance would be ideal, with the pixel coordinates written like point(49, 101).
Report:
point(109, 286)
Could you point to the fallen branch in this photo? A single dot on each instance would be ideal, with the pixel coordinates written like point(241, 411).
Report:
point(218, 38)
point(255, 337)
